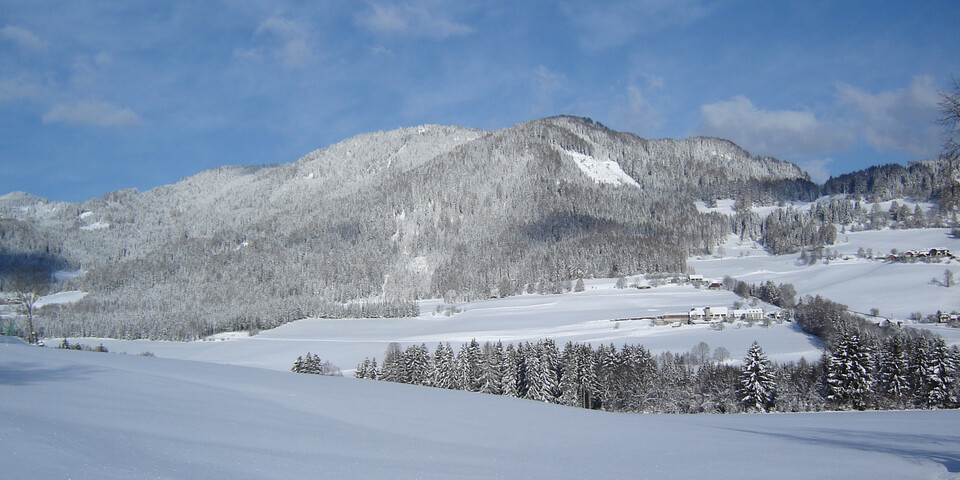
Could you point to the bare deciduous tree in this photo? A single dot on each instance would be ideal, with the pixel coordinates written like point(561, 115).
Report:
point(29, 288)
point(950, 119)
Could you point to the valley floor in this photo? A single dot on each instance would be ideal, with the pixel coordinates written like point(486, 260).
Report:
point(584, 317)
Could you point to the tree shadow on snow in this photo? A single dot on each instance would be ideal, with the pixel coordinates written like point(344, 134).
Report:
point(816, 342)
point(21, 373)
point(942, 449)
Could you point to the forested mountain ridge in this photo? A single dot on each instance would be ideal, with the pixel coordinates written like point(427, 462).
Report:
point(392, 216)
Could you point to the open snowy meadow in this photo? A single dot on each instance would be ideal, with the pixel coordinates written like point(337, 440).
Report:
point(73, 414)
point(590, 316)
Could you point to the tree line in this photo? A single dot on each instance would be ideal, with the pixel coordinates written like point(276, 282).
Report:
point(909, 370)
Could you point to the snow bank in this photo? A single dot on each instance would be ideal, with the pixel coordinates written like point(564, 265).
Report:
point(70, 414)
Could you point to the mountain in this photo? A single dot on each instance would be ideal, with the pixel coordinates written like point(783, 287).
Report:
point(388, 216)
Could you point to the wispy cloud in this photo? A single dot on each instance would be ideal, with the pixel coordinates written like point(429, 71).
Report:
point(21, 88)
point(902, 120)
point(637, 111)
point(785, 133)
point(817, 168)
point(284, 40)
point(613, 23)
point(411, 19)
point(23, 37)
point(95, 113)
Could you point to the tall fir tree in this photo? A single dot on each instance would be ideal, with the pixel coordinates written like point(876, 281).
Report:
point(757, 384)
point(849, 373)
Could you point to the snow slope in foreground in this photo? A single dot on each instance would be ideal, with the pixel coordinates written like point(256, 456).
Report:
point(70, 414)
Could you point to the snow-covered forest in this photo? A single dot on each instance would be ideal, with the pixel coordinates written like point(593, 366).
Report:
point(906, 370)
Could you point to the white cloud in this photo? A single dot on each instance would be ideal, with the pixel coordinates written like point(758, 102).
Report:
point(817, 169)
point(783, 133)
point(902, 120)
point(380, 50)
point(410, 19)
point(99, 114)
point(23, 37)
point(547, 80)
point(20, 88)
point(285, 40)
point(613, 23)
point(546, 86)
point(637, 112)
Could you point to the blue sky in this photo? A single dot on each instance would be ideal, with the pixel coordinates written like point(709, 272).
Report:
point(101, 96)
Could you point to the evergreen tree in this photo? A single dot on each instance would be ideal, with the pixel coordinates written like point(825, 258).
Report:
point(309, 364)
point(490, 377)
point(444, 367)
point(894, 372)
point(757, 384)
point(508, 384)
point(849, 378)
point(939, 375)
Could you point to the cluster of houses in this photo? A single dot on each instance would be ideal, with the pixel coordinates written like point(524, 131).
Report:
point(933, 253)
point(714, 315)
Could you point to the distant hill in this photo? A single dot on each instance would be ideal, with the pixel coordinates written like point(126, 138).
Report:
point(390, 216)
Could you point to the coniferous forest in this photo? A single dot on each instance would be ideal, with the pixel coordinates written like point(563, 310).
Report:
point(906, 370)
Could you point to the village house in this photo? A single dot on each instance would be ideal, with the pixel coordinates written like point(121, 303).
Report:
point(717, 314)
point(747, 314)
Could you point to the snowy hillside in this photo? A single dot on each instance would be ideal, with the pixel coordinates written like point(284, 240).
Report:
point(419, 212)
point(896, 289)
point(69, 414)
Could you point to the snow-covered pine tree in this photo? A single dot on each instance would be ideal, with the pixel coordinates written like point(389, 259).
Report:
point(444, 368)
point(849, 373)
point(549, 363)
point(390, 369)
point(297, 365)
point(490, 377)
point(362, 368)
point(757, 384)
point(310, 363)
point(313, 366)
point(534, 374)
point(569, 379)
point(419, 365)
point(508, 384)
point(940, 375)
point(894, 372)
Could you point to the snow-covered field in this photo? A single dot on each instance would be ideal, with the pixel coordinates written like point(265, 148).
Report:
point(896, 289)
point(584, 317)
point(71, 414)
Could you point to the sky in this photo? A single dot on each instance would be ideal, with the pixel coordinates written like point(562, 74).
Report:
point(98, 96)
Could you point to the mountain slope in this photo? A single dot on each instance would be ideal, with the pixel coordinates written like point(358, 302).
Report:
point(395, 215)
